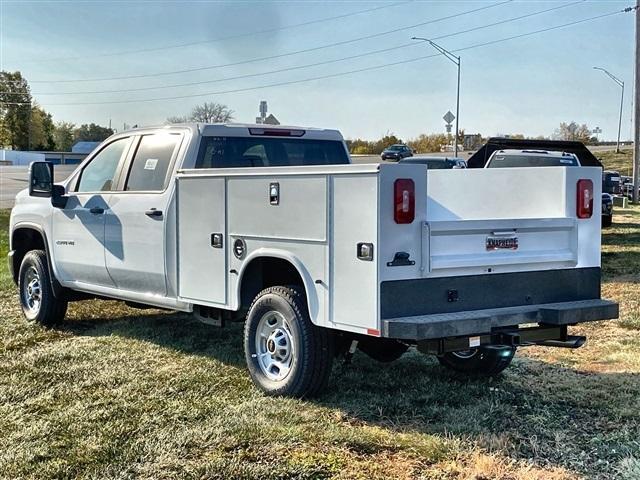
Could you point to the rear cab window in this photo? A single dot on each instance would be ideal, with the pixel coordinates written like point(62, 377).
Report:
point(233, 152)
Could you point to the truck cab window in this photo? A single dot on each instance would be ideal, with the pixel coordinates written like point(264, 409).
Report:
point(234, 152)
point(99, 175)
point(151, 161)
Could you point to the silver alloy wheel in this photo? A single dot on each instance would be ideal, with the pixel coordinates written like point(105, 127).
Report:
point(32, 291)
point(274, 346)
point(465, 354)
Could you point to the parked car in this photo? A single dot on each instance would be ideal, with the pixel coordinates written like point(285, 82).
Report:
point(271, 227)
point(436, 163)
point(548, 158)
point(627, 186)
point(611, 182)
point(396, 152)
point(607, 209)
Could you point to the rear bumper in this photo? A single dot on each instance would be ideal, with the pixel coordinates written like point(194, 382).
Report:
point(482, 322)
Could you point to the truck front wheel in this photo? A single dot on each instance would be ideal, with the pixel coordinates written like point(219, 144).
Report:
point(479, 361)
point(38, 302)
point(286, 354)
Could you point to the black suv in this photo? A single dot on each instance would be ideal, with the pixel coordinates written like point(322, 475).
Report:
point(396, 152)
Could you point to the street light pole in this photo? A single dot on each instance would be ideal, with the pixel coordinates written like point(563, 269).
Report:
point(456, 60)
point(621, 85)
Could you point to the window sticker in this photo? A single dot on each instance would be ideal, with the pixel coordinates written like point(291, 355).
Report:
point(150, 164)
point(564, 160)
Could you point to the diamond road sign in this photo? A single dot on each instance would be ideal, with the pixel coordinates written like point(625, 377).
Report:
point(449, 117)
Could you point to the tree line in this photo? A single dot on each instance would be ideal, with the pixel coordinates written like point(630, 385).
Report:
point(434, 142)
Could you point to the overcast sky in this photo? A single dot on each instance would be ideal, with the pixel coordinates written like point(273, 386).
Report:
point(526, 85)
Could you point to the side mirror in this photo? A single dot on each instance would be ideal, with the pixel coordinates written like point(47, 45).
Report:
point(41, 184)
point(41, 179)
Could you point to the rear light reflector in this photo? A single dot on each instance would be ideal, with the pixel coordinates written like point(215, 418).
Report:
point(584, 201)
point(404, 199)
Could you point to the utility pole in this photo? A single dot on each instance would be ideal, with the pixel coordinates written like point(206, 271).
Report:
point(620, 84)
point(636, 115)
point(455, 60)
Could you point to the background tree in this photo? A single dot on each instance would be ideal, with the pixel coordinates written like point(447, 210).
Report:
point(211, 112)
point(41, 130)
point(208, 112)
point(428, 143)
point(575, 132)
point(91, 133)
point(178, 119)
point(63, 136)
point(15, 111)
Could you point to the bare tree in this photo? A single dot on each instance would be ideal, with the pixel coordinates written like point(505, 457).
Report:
point(208, 112)
point(178, 119)
point(211, 112)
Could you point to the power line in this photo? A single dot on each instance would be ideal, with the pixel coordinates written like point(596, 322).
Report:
point(228, 37)
point(281, 55)
point(340, 74)
point(314, 64)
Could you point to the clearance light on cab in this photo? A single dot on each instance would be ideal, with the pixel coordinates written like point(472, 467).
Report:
point(276, 132)
point(404, 200)
point(584, 200)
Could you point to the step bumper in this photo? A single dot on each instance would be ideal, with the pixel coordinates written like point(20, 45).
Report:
point(478, 322)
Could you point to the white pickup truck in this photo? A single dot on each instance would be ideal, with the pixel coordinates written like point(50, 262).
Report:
point(272, 226)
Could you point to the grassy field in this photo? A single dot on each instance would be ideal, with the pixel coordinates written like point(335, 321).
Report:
point(116, 393)
point(620, 162)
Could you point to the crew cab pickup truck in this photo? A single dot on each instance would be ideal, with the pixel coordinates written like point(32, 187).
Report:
point(273, 226)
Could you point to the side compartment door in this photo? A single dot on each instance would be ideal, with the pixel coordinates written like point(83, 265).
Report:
point(135, 230)
point(202, 240)
point(79, 228)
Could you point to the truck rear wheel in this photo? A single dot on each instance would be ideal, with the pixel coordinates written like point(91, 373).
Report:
point(286, 354)
point(38, 302)
point(479, 361)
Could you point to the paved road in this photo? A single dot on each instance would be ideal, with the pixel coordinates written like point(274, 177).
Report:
point(14, 179)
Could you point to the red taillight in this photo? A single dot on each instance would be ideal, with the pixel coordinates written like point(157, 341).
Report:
point(584, 201)
point(404, 195)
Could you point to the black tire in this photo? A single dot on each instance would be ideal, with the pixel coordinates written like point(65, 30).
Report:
point(486, 362)
point(382, 349)
point(39, 304)
point(607, 220)
point(310, 353)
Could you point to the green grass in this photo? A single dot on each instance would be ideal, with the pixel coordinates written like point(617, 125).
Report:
point(621, 162)
point(120, 393)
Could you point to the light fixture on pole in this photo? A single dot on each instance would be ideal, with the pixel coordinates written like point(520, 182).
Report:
point(456, 60)
point(621, 85)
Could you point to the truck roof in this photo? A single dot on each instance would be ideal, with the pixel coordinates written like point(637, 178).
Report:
point(248, 129)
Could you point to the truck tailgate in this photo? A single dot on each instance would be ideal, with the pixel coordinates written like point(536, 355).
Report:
point(500, 220)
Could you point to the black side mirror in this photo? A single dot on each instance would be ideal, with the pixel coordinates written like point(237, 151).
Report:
point(41, 184)
point(41, 179)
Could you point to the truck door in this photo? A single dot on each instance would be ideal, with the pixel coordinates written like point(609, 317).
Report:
point(78, 229)
point(135, 230)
